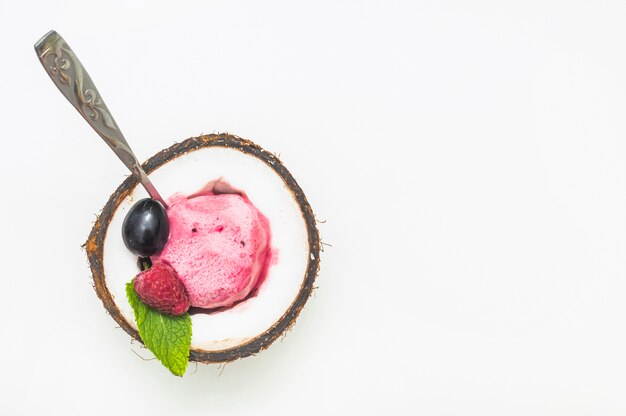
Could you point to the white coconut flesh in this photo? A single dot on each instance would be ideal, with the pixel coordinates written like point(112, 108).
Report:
point(187, 173)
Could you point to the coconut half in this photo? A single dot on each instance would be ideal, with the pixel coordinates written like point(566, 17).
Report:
point(253, 324)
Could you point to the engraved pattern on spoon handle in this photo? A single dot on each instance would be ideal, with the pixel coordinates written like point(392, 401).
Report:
point(76, 85)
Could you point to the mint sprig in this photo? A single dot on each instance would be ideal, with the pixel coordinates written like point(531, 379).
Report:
point(168, 337)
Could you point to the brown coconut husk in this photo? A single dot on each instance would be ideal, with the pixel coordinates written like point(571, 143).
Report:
point(95, 243)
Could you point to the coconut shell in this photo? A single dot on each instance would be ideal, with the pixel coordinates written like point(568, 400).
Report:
point(95, 243)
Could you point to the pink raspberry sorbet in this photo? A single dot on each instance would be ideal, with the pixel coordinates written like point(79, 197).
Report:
point(219, 244)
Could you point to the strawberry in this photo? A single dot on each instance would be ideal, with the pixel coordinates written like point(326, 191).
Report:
point(160, 288)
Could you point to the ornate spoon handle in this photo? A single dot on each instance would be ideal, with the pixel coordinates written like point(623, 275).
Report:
point(76, 85)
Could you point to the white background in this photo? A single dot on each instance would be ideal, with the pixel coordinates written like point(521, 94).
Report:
point(469, 159)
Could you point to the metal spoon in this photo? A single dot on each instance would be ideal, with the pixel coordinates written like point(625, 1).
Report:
point(76, 85)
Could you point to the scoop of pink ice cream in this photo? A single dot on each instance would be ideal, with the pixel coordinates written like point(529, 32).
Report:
point(219, 245)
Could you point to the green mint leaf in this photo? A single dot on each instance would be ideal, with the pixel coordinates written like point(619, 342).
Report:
point(168, 337)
